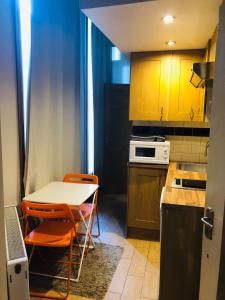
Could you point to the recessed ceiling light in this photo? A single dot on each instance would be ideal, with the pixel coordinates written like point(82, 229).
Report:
point(170, 43)
point(168, 19)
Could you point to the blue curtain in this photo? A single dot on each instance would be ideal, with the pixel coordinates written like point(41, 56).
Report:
point(102, 64)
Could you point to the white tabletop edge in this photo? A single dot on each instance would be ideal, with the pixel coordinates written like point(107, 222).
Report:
point(63, 192)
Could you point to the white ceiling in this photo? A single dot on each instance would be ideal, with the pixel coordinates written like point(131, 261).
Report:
point(138, 27)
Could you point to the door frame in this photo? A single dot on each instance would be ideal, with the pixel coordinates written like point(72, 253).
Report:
point(212, 283)
point(221, 281)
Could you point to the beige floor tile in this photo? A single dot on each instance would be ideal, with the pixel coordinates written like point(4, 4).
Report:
point(118, 240)
point(154, 246)
point(139, 243)
point(151, 268)
point(128, 246)
point(132, 242)
point(119, 278)
point(132, 288)
point(128, 251)
point(138, 262)
point(112, 296)
point(150, 288)
point(142, 244)
point(154, 254)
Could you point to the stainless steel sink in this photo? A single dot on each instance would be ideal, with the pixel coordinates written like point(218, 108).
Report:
point(192, 167)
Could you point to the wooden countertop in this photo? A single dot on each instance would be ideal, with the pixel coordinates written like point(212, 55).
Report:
point(185, 197)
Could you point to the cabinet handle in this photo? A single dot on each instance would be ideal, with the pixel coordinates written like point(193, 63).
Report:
point(161, 113)
point(192, 114)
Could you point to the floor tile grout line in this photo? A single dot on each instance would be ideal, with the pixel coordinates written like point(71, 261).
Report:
point(135, 249)
point(145, 272)
point(127, 274)
point(145, 258)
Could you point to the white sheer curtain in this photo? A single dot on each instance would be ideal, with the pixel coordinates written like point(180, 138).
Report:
point(54, 122)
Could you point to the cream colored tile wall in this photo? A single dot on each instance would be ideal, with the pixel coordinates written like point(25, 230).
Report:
point(188, 149)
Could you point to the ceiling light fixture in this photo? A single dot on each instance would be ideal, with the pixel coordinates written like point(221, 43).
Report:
point(168, 19)
point(170, 43)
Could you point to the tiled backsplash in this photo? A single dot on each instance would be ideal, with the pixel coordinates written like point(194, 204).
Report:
point(188, 148)
point(171, 130)
point(188, 143)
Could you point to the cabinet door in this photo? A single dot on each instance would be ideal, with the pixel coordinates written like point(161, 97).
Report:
point(186, 102)
point(144, 190)
point(149, 86)
point(181, 247)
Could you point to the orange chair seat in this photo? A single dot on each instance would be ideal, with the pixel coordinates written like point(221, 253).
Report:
point(51, 234)
point(85, 209)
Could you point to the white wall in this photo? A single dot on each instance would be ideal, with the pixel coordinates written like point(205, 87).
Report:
point(3, 283)
point(9, 158)
point(8, 106)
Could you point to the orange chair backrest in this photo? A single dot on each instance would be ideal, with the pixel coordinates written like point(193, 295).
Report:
point(47, 211)
point(81, 178)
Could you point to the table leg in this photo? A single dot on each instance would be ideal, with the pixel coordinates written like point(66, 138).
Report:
point(86, 226)
point(86, 236)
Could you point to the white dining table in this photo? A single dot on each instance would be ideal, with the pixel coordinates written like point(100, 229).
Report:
point(57, 192)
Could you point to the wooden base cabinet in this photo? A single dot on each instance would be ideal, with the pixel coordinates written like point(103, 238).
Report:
point(145, 183)
point(181, 248)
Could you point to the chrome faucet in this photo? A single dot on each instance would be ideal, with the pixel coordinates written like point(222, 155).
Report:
point(206, 149)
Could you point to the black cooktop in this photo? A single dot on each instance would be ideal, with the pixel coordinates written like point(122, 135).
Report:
point(191, 183)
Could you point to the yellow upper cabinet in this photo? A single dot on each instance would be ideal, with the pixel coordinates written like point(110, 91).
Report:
point(149, 85)
point(186, 103)
point(160, 87)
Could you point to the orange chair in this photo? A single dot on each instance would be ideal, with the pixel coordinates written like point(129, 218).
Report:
point(85, 208)
point(51, 232)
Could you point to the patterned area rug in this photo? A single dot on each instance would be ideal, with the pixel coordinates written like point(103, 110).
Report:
point(97, 272)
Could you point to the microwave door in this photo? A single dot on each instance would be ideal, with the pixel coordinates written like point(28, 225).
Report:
point(145, 152)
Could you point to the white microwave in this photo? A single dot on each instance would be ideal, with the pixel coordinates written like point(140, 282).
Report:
point(149, 152)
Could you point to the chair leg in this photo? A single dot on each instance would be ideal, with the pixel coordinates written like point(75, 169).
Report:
point(69, 265)
point(98, 224)
point(69, 262)
point(78, 246)
point(92, 225)
point(31, 254)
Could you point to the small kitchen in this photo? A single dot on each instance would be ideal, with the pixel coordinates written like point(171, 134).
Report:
point(167, 169)
point(168, 103)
